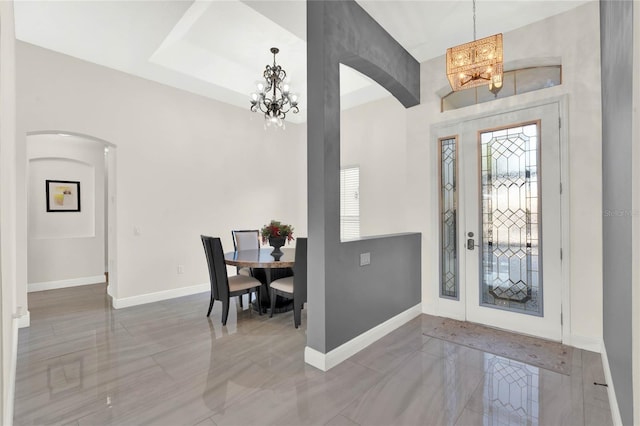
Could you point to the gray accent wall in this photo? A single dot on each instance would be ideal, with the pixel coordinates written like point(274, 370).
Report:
point(344, 298)
point(616, 27)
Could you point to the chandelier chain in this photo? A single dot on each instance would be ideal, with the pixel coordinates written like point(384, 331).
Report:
point(474, 20)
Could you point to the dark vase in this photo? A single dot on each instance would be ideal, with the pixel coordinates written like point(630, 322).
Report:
point(276, 243)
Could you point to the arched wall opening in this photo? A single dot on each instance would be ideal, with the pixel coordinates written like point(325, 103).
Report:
point(69, 245)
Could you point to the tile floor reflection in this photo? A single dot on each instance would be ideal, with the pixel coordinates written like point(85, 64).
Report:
point(510, 392)
point(165, 363)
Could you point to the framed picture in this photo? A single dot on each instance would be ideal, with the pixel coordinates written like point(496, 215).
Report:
point(63, 195)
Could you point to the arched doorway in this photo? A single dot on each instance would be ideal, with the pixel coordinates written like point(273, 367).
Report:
point(70, 245)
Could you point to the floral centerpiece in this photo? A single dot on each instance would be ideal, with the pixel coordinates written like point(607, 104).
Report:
point(276, 229)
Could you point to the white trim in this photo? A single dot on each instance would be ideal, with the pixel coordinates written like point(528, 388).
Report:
point(24, 320)
point(327, 361)
point(583, 342)
point(315, 358)
point(429, 307)
point(73, 282)
point(110, 288)
point(613, 402)
point(142, 299)
point(565, 217)
point(11, 379)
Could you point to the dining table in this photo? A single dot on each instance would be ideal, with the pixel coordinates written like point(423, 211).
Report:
point(266, 267)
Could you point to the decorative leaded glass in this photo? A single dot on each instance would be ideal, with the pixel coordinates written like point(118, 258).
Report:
point(511, 219)
point(511, 392)
point(448, 205)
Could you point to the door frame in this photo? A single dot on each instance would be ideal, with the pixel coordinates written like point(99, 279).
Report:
point(442, 306)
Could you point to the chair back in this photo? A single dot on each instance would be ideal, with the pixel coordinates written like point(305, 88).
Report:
point(246, 239)
point(217, 268)
point(300, 272)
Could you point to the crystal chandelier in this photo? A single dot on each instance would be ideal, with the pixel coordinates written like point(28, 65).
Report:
point(476, 63)
point(273, 97)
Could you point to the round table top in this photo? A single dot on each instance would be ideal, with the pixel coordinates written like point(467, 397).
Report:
point(260, 258)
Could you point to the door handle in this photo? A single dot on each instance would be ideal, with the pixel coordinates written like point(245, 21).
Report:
point(470, 241)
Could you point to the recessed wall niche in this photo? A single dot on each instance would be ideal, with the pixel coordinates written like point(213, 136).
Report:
point(43, 224)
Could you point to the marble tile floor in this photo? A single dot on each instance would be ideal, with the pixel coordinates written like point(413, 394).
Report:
point(165, 363)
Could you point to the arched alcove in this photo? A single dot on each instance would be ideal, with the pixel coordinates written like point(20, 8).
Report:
point(70, 248)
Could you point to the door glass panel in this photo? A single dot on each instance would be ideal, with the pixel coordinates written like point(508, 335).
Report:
point(448, 205)
point(510, 256)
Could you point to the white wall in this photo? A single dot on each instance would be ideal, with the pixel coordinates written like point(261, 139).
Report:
point(572, 37)
point(186, 165)
point(7, 211)
point(65, 246)
point(373, 136)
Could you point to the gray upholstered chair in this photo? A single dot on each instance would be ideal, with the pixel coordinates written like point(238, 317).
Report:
point(294, 287)
point(224, 287)
point(246, 239)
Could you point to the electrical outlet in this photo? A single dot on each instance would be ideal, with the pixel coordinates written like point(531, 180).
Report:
point(181, 269)
point(365, 259)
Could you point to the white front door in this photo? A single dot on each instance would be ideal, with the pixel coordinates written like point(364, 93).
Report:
point(500, 248)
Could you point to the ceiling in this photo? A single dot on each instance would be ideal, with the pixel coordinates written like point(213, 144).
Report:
point(219, 48)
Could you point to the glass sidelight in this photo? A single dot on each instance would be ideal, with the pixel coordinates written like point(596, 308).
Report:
point(448, 223)
point(500, 216)
point(510, 217)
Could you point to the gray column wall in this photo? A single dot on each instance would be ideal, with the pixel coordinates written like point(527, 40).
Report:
point(616, 27)
point(345, 299)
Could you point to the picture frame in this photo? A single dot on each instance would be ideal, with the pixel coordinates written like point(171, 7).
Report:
point(62, 195)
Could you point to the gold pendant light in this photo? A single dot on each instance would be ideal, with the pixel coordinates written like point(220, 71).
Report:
point(476, 63)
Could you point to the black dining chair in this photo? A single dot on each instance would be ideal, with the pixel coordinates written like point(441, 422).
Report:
point(224, 287)
point(294, 287)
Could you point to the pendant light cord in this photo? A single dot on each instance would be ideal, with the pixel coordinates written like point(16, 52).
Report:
point(474, 20)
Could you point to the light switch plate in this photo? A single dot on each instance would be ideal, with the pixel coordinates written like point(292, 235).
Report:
point(365, 259)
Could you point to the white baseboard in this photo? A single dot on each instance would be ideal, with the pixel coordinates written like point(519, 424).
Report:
point(327, 361)
point(73, 282)
point(142, 299)
point(444, 313)
point(25, 320)
point(582, 342)
point(613, 402)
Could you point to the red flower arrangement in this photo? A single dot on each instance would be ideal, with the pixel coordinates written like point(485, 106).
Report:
point(276, 229)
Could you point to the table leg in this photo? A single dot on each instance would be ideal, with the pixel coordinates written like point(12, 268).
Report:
point(264, 276)
point(282, 304)
point(266, 290)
